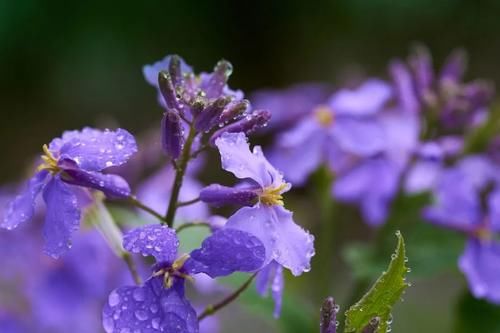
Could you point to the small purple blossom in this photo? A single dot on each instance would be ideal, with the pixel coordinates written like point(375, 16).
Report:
point(467, 199)
point(458, 104)
point(69, 165)
point(285, 242)
point(271, 277)
point(160, 304)
point(346, 122)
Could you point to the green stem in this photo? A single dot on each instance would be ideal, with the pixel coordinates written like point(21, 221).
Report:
point(211, 309)
point(132, 268)
point(179, 176)
point(187, 203)
point(191, 224)
point(133, 201)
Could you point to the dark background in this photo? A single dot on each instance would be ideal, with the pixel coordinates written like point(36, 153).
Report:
point(66, 64)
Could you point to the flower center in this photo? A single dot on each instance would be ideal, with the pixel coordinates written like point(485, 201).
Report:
point(272, 195)
point(173, 272)
point(49, 161)
point(324, 115)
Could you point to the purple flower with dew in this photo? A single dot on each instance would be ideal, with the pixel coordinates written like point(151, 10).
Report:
point(157, 197)
point(291, 104)
point(347, 122)
point(160, 305)
point(285, 242)
point(71, 164)
point(203, 101)
point(467, 199)
point(458, 104)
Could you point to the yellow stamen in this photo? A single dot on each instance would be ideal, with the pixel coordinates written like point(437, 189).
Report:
point(49, 161)
point(272, 195)
point(179, 262)
point(324, 115)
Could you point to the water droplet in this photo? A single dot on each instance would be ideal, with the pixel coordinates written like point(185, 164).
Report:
point(155, 323)
point(141, 315)
point(139, 295)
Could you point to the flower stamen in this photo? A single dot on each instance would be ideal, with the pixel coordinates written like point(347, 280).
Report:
point(324, 115)
point(272, 195)
point(49, 161)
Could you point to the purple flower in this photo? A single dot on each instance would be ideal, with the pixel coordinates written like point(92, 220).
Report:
point(348, 122)
point(289, 106)
point(160, 304)
point(459, 105)
point(467, 199)
point(354, 175)
point(69, 165)
point(285, 242)
point(204, 102)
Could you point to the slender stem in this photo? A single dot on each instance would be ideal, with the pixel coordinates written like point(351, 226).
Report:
point(192, 224)
point(179, 176)
point(211, 309)
point(187, 203)
point(138, 204)
point(132, 268)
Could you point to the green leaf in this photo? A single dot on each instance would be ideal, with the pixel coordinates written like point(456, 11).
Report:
point(380, 299)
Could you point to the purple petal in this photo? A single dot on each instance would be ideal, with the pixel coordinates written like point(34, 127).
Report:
point(219, 195)
point(94, 150)
point(153, 240)
point(149, 308)
point(478, 264)
point(456, 204)
point(404, 87)
point(478, 170)
point(454, 67)
point(22, 208)
point(234, 110)
point(300, 151)
point(227, 251)
point(172, 136)
point(421, 64)
point(113, 186)
point(150, 72)
point(272, 276)
point(368, 99)
point(363, 137)
point(422, 176)
point(286, 242)
point(356, 186)
point(62, 217)
point(237, 158)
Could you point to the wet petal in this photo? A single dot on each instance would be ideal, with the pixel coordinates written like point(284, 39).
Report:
point(368, 99)
point(227, 251)
point(150, 72)
point(22, 208)
point(172, 136)
point(272, 276)
point(94, 150)
point(286, 242)
point(153, 240)
point(237, 158)
point(294, 246)
point(62, 217)
point(149, 308)
point(113, 186)
point(478, 264)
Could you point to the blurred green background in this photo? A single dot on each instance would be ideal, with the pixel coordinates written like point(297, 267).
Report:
point(65, 64)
